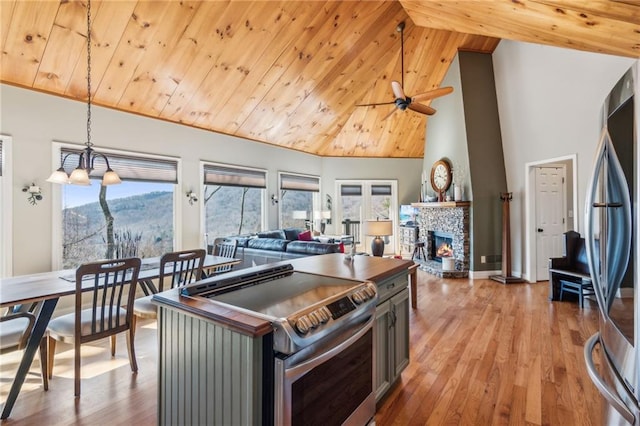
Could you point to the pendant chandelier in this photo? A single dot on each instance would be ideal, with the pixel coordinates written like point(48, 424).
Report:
point(80, 175)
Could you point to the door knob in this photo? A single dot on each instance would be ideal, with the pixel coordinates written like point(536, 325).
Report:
point(540, 230)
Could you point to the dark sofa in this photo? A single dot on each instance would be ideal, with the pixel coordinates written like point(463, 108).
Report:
point(280, 244)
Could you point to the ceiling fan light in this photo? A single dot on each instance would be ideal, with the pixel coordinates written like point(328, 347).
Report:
point(59, 176)
point(79, 176)
point(110, 178)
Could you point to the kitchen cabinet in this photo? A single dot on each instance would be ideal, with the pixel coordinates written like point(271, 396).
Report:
point(392, 332)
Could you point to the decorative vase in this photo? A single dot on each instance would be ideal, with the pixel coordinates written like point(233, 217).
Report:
point(457, 193)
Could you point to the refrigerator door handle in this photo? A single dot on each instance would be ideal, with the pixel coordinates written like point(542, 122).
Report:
point(590, 241)
point(609, 394)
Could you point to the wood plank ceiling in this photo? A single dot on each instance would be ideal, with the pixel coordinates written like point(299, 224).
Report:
point(287, 73)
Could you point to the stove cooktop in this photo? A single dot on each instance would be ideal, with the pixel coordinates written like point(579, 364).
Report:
point(302, 307)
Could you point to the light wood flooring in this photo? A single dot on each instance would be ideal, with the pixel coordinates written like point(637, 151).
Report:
point(482, 353)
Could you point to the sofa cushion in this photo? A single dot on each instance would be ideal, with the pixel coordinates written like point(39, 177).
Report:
point(277, 234)
point(292, 233)
point(273, 244)
point(242, 241)
point(312, 247)
point(305, 236)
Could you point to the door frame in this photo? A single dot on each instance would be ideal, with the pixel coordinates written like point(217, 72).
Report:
point(530, 210)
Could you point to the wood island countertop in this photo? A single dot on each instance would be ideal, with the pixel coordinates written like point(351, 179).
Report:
point(359, 268)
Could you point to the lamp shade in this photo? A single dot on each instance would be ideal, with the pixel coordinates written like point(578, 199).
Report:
point(79, 176)
point(59, 176)
point(110, 178)
point(299, 214)
point(378, 228)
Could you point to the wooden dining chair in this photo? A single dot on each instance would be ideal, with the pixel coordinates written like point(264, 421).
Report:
point(224, 248)
point(15, 329)
point(112, 292)
point(176, 269)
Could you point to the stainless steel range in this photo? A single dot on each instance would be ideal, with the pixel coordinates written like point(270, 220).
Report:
point(322, 340)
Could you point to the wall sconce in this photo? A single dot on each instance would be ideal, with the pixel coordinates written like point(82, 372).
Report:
point(274, 199)
point(34, 193)
point(193, 198)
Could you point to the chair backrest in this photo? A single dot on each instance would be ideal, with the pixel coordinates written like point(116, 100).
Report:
point(15, 329)
point(180, 267)
point(112, 286)
point(352, 227)
point(225, 248)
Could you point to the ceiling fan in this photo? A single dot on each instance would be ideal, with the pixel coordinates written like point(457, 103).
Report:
point(402, 101)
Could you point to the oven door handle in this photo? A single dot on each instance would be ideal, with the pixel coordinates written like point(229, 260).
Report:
point(303, 367)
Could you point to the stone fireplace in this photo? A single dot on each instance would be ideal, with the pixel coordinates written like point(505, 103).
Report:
point(445, 231)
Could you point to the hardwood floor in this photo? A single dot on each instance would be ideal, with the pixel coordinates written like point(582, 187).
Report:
point(482, 353)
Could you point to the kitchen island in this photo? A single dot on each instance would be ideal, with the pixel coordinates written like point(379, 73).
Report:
point(216, 363)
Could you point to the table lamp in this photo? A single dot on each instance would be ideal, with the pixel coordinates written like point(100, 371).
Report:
point(377, 229)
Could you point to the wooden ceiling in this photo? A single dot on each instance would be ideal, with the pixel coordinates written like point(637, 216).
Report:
point(287, 73)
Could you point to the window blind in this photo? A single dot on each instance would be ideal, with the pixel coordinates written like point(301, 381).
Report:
point(293, 182)
point(234, 176)
point(128, 167)
point(350, 190)
point(380, 189)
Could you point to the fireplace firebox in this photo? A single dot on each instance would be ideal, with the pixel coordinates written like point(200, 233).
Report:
point(441, 245)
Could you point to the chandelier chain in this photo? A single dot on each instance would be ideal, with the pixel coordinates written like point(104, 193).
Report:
point(89, 143)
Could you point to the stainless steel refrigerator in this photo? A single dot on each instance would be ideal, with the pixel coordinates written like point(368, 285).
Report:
point(612, 219)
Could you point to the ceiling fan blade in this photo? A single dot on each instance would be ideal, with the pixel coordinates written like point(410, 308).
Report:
point(435, 93)
point(381, 103)
point(397, 90)
point(423, 109)
point(390, 114)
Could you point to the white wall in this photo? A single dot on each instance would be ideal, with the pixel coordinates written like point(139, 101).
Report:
point(549, 100)
point(34, 120)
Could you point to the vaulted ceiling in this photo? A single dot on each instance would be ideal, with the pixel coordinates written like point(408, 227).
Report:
point(287, 73)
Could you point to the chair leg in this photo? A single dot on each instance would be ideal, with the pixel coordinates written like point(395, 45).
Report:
point(134, 321)
point(44, 369)
point(113, 345)
point(131, 350)
point(76, 369)
point(51, 351)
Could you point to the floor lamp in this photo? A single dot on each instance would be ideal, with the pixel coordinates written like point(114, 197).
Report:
point(378, 229)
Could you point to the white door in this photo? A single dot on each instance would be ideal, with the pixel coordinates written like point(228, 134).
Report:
point(550, 220)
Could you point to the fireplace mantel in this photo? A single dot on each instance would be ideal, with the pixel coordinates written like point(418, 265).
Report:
point(445, 204)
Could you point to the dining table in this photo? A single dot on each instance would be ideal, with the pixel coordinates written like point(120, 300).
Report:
point(43, 290)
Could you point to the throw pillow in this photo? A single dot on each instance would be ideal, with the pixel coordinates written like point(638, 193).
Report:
point(305, 236)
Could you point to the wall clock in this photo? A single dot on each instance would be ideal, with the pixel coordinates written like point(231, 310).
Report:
point(441, 178)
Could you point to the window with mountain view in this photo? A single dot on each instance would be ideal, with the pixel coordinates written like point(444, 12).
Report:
point(134, 218)
point(233, 200)
point(299, 196)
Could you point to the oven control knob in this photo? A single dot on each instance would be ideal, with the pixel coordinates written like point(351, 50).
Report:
point(357, 298)
point(313, 319)
point(324, 314)
point(370, 291)
point(303, 325)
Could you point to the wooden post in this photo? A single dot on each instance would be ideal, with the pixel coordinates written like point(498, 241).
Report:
point(506, 277)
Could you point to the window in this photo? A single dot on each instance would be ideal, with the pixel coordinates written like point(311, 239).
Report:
point(233, 200)
point(299, 198)
point(364, 200)
point(6, 204)
point(134, 218)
